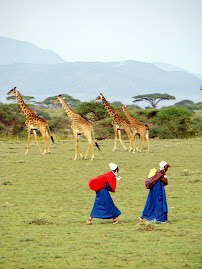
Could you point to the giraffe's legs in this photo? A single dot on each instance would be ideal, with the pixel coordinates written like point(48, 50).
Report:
point(142, 144)
point(134, 142)
point(92, 156)
point(131, 144)
point(130, 137)
point(115, 138)
point(35, 135)
point(145, 138)
point(28, 139)
point(119, 133)
point(48, 138)
point(44, 134)
point(90, 145)
point(76, 147)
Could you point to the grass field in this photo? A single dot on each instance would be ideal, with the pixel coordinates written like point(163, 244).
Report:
point(45, 202)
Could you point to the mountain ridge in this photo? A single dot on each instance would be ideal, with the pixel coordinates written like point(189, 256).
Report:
point(15, 51)
point(119, 80)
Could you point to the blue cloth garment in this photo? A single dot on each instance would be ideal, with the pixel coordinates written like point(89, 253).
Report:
point(104, 207)
point(156, 204)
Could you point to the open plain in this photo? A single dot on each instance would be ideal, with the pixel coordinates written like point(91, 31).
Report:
point(46, 200)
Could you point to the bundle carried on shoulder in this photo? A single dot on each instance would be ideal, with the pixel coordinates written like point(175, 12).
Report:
point(153, 176)
point(99, 182)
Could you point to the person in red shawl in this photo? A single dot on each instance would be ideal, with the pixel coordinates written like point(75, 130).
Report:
point(104, 207)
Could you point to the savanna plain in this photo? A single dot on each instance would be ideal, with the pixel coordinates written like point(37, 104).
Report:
point(46, 200)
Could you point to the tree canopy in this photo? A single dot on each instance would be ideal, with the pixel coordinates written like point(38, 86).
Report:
point(153, 98)
point(27, 99)
point(184, 103)
point(69, 99)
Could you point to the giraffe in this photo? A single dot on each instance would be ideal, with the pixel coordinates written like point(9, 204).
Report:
point(79, 126)
point(119, 123)
point(137, 127)
point(33, 122)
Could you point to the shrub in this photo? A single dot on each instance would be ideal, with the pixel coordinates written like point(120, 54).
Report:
point(175, 120)
point(162, 132)
point(44, 115)
point(96, 109)
point(42, 219)
point(197, 125)
point(146, 226)
point(103, 129)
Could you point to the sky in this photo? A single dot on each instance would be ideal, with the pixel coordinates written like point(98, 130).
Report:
point(168, 31)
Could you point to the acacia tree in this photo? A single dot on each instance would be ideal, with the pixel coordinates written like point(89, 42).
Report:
point(27, 99)
point(153, 98)
point(69, 99)
point(185, 103)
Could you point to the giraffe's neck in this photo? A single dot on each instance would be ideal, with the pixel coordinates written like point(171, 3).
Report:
point(22, 104)
point(129, 116)
point(71, 114)
point(109, 109)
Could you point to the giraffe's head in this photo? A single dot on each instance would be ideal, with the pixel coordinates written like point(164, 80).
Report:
point(58, 100)
point(13, 91)
point(100, 96)
point(122, 107)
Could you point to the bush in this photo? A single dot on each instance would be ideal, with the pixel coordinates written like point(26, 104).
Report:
point(11, 120)
point(160, 132)
point(145, 116)
point(197, 126)
point(176, 121)
point(96, 109)
point(44, 115)
point(103, 129)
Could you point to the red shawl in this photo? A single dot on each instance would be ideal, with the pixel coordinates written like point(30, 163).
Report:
point(99, 182)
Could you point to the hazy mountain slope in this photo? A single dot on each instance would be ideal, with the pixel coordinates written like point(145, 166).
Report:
point(199, 76)
point(168, 67)
point(85, 80)
point(15, 51)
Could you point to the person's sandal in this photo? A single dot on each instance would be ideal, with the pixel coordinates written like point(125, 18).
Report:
point(163, 222)
point(140, 219)
point(115, 222)
point(88, 222)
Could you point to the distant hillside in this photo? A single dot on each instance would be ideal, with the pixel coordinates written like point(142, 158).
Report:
point(14, 51)
point(168, 67)
point(199, 76)
point(118, 81)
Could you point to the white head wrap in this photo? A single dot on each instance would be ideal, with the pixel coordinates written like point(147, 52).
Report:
point(113, 166)
point(162, 164)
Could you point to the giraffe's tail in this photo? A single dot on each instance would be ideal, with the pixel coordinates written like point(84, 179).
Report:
point(94, 139)
point(50, 134)
point(52, 139)
point(97, 146)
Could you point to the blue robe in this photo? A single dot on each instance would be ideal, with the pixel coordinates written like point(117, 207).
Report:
point(104, 207)
point(156, 204)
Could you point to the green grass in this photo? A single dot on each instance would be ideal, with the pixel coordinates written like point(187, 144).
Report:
point(45, 202)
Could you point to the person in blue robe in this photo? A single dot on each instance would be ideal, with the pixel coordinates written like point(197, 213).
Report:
point(104, 207)
point(156, 205)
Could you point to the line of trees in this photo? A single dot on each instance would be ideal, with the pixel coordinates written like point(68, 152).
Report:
point(178, 121)
point(153, 99)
